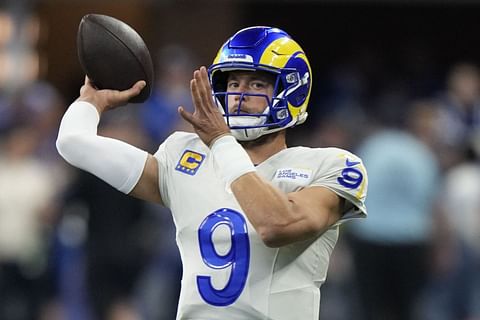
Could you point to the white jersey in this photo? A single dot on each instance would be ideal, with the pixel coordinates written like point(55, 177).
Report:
point(228, 272)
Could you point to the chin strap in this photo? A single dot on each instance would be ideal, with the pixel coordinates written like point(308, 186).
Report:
point(301, 118)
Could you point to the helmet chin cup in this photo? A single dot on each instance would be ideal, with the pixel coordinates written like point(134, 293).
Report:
point(247, 128)
point(248, 134)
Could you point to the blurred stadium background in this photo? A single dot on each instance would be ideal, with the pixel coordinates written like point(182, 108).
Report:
point(395, 81)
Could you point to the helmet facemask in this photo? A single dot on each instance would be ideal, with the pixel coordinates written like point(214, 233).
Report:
point(250, 126)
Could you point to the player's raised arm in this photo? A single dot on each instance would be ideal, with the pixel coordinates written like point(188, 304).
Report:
point(125, 167)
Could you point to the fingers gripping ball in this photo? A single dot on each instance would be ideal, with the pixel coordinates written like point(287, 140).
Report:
point(113, 55)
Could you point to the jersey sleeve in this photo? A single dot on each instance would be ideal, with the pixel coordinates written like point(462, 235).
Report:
point(344, 173)
point(164, 164)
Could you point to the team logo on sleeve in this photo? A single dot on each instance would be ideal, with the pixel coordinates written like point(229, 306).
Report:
point(189, 162)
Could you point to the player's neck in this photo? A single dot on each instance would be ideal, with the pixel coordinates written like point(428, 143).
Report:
point(264, 147)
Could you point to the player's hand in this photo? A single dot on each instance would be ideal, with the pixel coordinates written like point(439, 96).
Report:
point(206, 119)
point(108, 99)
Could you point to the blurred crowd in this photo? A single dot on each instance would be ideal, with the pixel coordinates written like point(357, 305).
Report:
point(417, 254)
point(71, 247)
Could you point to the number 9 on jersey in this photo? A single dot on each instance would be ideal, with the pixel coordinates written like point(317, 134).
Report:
point(237, 258)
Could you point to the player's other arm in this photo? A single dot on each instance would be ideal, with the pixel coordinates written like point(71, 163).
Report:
point(125, 167)
point(280, 218)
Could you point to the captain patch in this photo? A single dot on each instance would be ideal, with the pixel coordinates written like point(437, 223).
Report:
point(189, 162)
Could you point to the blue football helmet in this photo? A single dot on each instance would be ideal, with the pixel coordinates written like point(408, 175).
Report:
point(269, 50)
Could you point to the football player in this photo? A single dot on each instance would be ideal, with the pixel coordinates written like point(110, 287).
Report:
point(256, 220)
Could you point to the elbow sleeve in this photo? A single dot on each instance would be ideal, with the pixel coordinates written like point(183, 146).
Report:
point(116, 162)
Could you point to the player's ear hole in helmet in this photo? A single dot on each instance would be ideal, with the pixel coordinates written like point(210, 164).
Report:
point(274, 52)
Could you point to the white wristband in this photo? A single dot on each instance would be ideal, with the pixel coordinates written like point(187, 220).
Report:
point(231, 159)
point(115, 162)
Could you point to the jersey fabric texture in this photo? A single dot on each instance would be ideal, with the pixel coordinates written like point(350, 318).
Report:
point(228, 272)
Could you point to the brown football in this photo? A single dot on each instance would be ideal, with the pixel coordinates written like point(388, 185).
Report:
point(114, 55)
